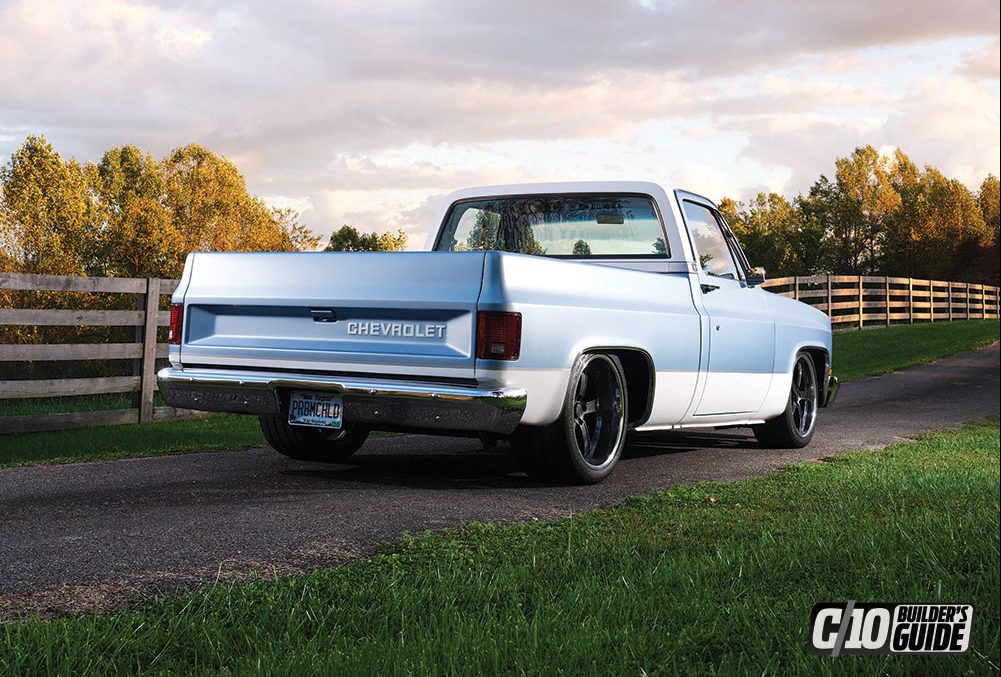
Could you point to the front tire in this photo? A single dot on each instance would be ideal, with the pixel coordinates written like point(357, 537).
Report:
point(584, 444)
point(794, 427)
point(311, 444)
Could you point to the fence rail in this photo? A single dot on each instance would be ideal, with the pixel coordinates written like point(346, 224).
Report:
point(852, 302)
point(859, 301)
point(143, 352)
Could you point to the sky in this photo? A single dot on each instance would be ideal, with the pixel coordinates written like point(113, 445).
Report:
point(369, 112)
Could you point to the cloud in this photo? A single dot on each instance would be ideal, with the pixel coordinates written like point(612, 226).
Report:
point(937, 121)
point(360, 109)
point(984, 64)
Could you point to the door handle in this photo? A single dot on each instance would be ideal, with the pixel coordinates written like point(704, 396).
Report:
point(323, 314)
point(706, 288)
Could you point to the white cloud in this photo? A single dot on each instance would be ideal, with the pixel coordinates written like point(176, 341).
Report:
point(952, 123)
point(985, 63)
point(358, 110)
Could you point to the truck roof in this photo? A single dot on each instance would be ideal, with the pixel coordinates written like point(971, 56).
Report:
point(645, 187)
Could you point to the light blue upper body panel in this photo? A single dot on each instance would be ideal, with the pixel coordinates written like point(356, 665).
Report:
point(797, 326)
point(570, 307)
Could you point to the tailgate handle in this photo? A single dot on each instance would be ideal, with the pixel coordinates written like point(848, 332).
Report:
point(323, 314)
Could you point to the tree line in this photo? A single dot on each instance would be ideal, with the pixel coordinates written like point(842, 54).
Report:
point(130, 215)
point(880, 215)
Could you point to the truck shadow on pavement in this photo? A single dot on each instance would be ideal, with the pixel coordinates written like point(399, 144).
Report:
point(464, 465)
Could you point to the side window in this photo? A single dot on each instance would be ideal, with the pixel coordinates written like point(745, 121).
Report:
point(476, 230)
point(710, 243)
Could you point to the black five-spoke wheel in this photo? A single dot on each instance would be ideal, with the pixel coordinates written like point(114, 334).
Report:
point(804, 396)
point(585, 443)
point(598, 411)
point(794, 427)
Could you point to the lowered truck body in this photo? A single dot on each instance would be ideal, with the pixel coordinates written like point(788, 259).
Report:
point(560, 316)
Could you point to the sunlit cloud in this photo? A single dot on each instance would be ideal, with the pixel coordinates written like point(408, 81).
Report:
point(368, 111)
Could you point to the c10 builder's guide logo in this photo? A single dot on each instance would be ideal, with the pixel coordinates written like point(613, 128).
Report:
point(852, 628)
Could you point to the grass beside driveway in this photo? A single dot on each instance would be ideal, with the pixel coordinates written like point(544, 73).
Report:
point(871, 352)
point(118, 441)
point(705, 579)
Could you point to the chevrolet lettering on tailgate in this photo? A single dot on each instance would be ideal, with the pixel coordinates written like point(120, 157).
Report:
point(404, 329)
point(558, 317)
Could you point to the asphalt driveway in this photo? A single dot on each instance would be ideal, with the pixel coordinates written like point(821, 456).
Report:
point(93, 534)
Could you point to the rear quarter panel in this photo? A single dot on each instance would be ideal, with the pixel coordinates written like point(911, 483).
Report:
point(570, 307)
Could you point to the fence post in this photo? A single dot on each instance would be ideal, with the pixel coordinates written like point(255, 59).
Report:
point(830, 311)
point(886, 299)
point(910, 300)
point(861, 309)
point(795, 287)
point(149, 350)
point(949, 292)
point(931, 301)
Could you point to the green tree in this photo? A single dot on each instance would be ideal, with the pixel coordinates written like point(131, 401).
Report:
point(865, 202)
point(44, 212)
point(210, 207)
point(294, 235)
point(987, 198)
point(483, 236)
point(987, 259)
point(581, 248)
point(938, 228)
point(348, 239)
point(392, 242)
point(775, 234)
point(136, 236)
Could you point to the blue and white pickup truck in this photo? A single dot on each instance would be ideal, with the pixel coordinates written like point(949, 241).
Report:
point(558, 316)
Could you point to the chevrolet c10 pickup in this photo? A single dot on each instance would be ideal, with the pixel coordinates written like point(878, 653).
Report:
point(559, 317)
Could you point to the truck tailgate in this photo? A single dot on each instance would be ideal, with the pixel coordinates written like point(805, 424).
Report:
point(393, 313)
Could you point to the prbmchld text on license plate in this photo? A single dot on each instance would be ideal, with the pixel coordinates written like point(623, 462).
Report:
point(323, 410)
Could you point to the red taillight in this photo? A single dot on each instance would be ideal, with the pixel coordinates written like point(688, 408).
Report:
point(498, 336)
point(176, 322)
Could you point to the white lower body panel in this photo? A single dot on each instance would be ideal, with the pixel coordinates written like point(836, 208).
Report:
point(673, 396)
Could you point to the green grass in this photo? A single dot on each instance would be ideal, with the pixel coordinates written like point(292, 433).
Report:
point(705, 579)
point(86, 444)
point(31, 406)
point(871, 352)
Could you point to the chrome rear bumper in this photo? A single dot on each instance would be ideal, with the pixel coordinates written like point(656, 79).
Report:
point(371, 402)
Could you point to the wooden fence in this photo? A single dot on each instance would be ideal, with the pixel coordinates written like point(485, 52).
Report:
point(851, 301)
point(856, 302)
point(143, 350)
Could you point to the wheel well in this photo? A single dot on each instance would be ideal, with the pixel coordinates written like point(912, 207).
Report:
point(819, 357)
point(638, 369)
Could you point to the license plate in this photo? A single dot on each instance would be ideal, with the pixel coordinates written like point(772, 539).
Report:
point(319, 410)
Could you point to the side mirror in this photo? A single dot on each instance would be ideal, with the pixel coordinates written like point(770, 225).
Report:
point(755, 276)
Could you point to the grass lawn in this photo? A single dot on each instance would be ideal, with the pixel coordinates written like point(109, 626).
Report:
point(30, 406)
point(705, 579)
point(117, 441)
point(856, 354)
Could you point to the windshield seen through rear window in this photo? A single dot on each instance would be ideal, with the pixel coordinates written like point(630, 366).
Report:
point(568, 225)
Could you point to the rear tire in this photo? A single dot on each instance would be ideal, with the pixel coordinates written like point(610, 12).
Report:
point(311, 444)
point(794, 427)
point(584, 444)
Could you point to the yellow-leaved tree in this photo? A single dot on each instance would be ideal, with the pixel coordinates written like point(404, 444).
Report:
point(44, 212)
